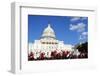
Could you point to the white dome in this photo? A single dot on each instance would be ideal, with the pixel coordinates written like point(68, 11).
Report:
point(48, 32)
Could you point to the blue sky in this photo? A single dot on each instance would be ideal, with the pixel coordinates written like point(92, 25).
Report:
point(70, 29)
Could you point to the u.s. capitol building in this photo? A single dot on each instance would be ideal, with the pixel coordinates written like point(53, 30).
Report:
point(48, 43)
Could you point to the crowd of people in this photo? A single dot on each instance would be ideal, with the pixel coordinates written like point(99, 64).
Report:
point(58, 55)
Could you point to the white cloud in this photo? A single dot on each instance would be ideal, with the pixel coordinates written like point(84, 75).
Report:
point(79, 27)
point(75, 19)
point(80, 37)
point(83, 35)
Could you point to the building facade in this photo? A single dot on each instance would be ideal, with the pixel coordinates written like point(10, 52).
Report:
point(48, 43)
